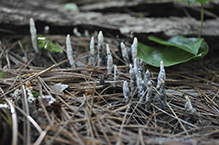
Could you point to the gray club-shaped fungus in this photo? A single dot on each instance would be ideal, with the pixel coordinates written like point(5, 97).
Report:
point(69, 51)
point(124, 53)
point(86, 33)
point(148, 97)
point(126, 91)
point(136, 62)
point(141, 68)
point(132, 79)
point(146, 77)
point(92, 52)
point(101, 56)
point(46, 30)
point(188, 106)
point(134, 49)
point(75, 31)
point(161, 75)
point(140, 85)
point(33, 32)
point(162, 94)
point(109, 60)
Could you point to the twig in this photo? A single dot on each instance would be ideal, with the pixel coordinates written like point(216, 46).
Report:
point(14, 123)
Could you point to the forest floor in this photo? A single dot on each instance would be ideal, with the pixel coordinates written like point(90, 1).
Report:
point(81, 105)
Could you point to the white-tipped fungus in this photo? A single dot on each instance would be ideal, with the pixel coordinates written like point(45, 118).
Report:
point(146, 77)
point(149, 97)
point(92, 52)
point(188, 106)
point(109, 60)
point(132, 79)
point(108, 49)
point(76, 33)
point(134, 48)
point(86, 33)
point(124, 53)
point(46, 30)
point(161, 75)
point(101, 56)
point(140, 85)
point(126, 91)
point(141, 68)
point(136, 62)
point(70, 51)
point(33, 32)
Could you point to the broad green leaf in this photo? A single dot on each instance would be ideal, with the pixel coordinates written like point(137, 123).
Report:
point(170, 55)
point(190, 45)
point(42, 42)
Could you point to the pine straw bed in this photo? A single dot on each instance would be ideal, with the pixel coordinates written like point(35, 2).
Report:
point(90, 113)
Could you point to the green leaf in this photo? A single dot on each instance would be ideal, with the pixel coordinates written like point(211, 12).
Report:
point(47, 44)
point(202, 1)
point(35, 94)
point(170, 54)
point(190, 45)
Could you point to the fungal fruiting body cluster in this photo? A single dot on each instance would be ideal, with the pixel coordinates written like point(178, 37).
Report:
point(140, 80)
point(140, 84)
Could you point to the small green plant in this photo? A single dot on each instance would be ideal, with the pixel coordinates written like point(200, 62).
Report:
point(47, 44)
point(177, 49)
point(202, 2)
point(35, 94)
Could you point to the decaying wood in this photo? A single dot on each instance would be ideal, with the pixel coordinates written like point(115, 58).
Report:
point(125, 23)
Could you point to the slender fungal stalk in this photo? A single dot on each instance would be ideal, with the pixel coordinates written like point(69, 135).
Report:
point(33, 32)
point(109, 60)
point(188, 106)
point(161, 75)
point(162, 94)
point(148, 97)
point(141, 69)
point(140, 84)
point(92, 52)
point(146, 77)
point(125, 53)
point(126, 91)
point(70, 51)
point(132, 79)
point(101, 56)
point(136, 62)
point(134, 49)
